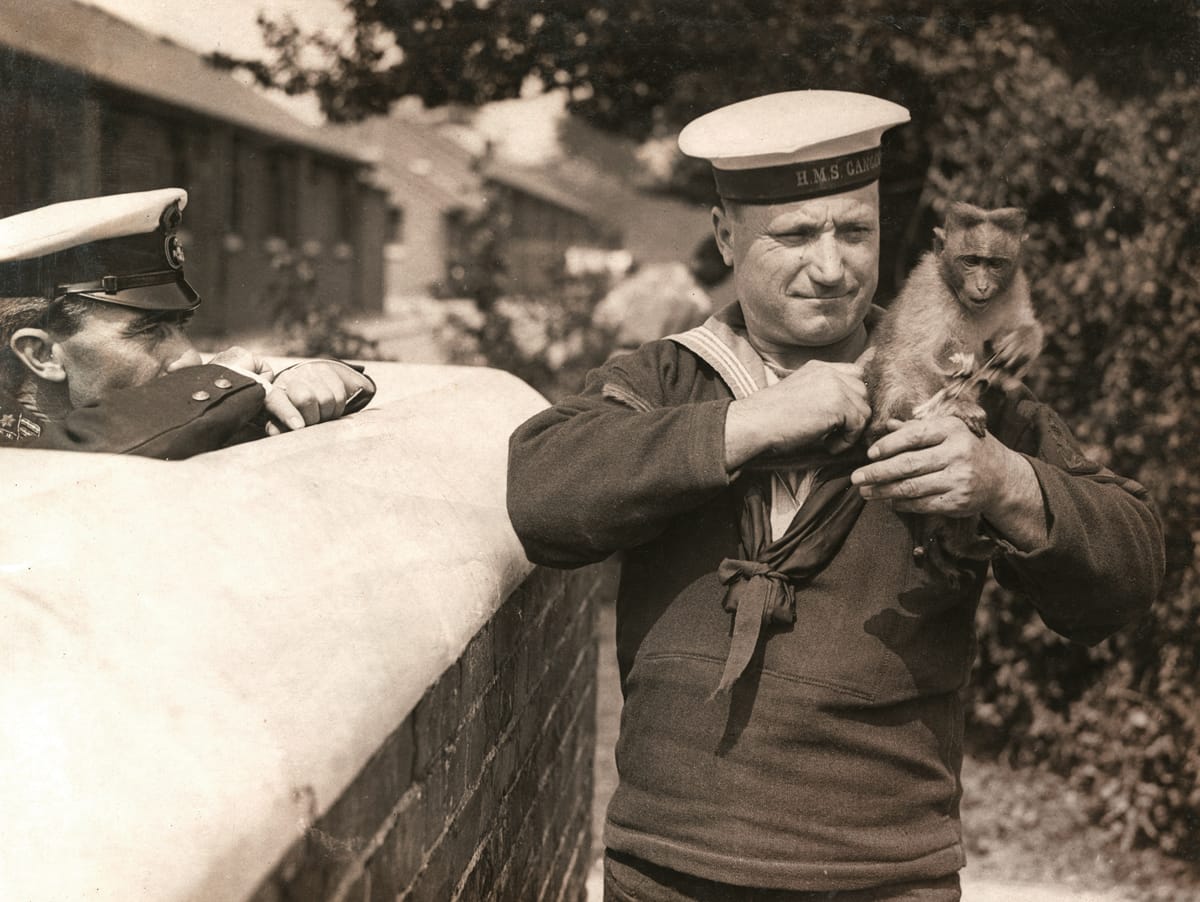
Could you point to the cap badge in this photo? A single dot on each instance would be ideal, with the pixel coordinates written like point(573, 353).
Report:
point(175, 255)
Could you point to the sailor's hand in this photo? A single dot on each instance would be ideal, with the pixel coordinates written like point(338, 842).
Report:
point(821, 406)
point(935, 466)
point(939, 466)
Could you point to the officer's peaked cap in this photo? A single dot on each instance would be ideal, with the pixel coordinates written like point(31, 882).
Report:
point(121, 249)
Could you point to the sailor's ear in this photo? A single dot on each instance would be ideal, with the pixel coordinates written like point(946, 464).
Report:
point(723, 232)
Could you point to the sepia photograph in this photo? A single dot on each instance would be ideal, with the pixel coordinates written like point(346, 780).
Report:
point(578, 451)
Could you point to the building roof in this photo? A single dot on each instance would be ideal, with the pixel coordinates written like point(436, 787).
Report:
point(542, 184)
point(117, 53)
point(411, 157)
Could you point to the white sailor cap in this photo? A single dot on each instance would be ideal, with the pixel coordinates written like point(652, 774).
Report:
point(792, 145)
point(121, 249)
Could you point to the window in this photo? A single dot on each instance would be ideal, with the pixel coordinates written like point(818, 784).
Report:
point(233, 216)
point(281, 200)
point(395, 225)
point(181, 170)
point(347, 207)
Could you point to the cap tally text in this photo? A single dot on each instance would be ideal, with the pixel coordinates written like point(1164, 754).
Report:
point(796, 181)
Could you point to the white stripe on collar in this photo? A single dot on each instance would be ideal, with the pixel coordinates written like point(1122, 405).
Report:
point(721, 342)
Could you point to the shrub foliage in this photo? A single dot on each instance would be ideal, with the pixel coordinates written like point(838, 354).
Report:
point(1112, 184)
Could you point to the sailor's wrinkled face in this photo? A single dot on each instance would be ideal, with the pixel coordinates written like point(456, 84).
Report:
point(805, 270)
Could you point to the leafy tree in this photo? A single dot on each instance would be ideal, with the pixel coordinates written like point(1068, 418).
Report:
point(1086, 113)
point(307, 321)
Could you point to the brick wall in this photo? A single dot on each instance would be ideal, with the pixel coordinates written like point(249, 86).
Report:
point(484, 791)
point(405, 710)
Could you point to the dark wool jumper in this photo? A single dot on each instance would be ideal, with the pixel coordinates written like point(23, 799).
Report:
point(834, 762)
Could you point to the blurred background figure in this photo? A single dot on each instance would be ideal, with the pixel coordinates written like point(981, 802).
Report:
point(659, 299)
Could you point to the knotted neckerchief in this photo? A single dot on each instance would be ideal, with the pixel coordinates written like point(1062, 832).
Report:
point(761, 584)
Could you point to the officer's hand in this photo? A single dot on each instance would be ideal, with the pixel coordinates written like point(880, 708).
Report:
point(312, 392)
point(820, 406)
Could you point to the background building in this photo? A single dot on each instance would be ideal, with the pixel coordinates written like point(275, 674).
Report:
point(93, 105)
point(544, 219)
point(432, 183)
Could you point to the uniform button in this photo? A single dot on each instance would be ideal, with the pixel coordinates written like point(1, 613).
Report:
point(223, 383)
point(200, 396)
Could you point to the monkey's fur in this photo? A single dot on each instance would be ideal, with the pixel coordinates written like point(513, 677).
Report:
point(963, 321)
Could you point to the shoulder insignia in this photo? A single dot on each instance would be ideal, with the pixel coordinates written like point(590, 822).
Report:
point(16, 427)
point(1071, 456)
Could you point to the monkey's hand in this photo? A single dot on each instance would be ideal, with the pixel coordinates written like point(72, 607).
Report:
point(1014, 351)
point(959, 397)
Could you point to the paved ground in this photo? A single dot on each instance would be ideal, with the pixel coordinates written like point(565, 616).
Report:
point(608, 713)
point(408, 330)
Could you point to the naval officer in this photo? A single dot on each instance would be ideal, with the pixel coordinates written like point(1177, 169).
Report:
point(792, 727)
point(94, 353)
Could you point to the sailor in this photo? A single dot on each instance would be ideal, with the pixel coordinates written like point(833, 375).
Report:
point(792, 726)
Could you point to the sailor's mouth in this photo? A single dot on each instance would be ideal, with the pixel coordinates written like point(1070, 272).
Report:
point(822, 298)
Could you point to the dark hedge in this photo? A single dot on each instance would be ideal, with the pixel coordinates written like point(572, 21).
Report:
point(1111, 179)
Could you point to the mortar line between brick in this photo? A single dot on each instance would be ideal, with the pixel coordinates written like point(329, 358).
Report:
point(567, 733)
point(570, 734)
point(491, 755)
point(559, 848)
point(415, 791)
point(451, 747)
point(575, 853)
point(499, 664)
point(376, 841)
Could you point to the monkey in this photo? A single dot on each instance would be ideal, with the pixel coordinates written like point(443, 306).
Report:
point(964, 320)
point(968, 296)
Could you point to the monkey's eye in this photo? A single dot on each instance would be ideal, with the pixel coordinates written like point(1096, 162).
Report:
point(970, 262)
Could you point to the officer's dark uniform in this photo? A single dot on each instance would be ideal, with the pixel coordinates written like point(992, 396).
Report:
point(124, 250)
point(175, 416)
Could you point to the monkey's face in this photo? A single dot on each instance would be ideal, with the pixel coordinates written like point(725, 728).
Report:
point(978, 259)
point(806, 270)
point(977, 279)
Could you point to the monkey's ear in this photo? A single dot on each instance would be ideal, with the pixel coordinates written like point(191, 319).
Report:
point(939, 239)
point(1011, 219)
